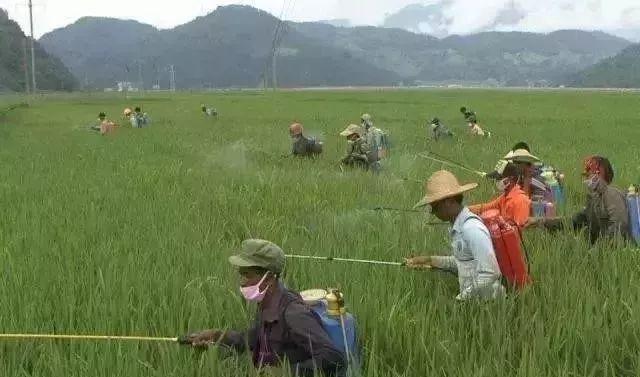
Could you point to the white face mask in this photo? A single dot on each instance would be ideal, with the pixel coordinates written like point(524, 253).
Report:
point(592, 182)
point(502, 184)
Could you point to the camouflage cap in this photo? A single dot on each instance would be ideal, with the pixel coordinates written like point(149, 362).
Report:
point(259, 253)
point(351, 129)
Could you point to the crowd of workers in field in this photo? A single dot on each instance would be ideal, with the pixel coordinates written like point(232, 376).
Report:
point(487, 257)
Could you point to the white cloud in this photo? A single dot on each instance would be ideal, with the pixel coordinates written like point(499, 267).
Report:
point(467, 15)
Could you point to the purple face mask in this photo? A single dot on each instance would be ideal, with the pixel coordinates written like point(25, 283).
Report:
point(252, 293)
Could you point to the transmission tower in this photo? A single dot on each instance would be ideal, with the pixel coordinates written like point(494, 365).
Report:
point(172, 84)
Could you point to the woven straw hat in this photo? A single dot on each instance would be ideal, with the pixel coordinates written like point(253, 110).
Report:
point(441, 185)
point(351, 129)
point(521, 155)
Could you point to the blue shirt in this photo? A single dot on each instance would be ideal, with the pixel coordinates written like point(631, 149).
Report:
point(474, 258)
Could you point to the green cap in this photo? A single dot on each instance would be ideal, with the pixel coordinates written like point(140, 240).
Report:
point(259, 253)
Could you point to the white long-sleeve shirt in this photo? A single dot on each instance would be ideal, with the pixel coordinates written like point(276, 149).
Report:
point(474, 258)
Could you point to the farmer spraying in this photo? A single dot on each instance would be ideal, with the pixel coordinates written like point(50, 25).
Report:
point(301, 145)
point(472, 122)
point(284, 327)
point(103, 125)
point(375, 138)
point(513, 203)
point(139, 119)
point(531, 181)
point(101, 118)
point(438, 130)
point(208, 111)
point(538, 178)
point(474, 258)
point(357, 148)
point(605, 213)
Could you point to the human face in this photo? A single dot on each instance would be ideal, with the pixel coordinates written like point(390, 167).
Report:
point(439, 209)
point(251, 276)
point(353, 137)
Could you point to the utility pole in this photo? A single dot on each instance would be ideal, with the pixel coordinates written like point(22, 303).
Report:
point(33, 55)
point(25, 65)
point(273, 70)
point(172, 84)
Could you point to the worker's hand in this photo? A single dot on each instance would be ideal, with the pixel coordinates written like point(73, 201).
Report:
point(271, 371)
point(534, 222)
point(200, 339)
point(418, 263)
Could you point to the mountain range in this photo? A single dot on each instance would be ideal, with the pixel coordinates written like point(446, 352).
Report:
point(229, 47)
point(620, 71)
point(51, 74)
point(232, 47)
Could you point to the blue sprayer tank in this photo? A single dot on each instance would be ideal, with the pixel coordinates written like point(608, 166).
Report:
point(558, 195)
point(333, 315)
point(633, 203)
point(551, 178)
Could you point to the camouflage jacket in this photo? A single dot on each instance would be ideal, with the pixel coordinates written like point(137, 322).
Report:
point(470, 116)
point(439, 131)
point(357, 153)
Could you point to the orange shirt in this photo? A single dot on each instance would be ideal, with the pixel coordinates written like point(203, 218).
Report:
point(514, 205)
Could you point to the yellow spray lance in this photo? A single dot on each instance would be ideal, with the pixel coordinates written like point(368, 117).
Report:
point(447, 161)
point(86, 337)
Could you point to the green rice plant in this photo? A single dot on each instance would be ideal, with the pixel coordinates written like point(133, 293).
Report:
point(129, 234)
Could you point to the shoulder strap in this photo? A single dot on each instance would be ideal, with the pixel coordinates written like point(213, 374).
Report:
point(289, 297)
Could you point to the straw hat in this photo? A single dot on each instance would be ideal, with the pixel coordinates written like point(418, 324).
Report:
point(521, 155)
point(351, 129)
point(441, 185)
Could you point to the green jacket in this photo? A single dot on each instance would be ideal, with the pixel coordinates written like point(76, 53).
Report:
point(605, 214)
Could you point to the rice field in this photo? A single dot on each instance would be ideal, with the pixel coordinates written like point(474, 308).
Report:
point(128, 234)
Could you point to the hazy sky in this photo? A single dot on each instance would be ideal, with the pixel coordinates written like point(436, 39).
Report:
point(467, 15)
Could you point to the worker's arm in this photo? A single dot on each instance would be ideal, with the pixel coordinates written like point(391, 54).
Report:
point(306, 332)
point(237, 340)
point(480, 208)
point(447, 263)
